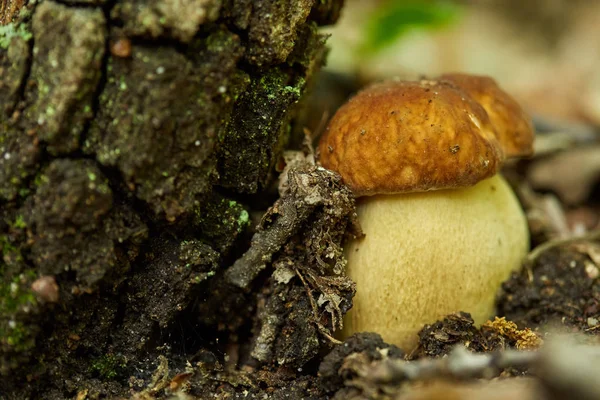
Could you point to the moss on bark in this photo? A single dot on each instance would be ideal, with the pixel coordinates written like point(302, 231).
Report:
point(128, 131)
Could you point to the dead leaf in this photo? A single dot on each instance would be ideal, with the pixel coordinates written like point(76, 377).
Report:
point(571, 175)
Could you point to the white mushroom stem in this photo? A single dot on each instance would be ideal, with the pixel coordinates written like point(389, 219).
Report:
point(426, 255)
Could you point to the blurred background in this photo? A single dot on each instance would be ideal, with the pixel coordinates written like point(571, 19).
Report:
point(546, 53)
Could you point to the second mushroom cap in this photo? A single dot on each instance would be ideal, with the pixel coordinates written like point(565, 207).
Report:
point(514, 128)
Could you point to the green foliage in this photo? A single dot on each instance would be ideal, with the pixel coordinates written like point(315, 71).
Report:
point(396, 17)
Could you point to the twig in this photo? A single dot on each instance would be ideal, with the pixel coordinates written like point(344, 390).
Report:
point(542, 248)
point(561, 365)
point(315, 310)
point(459, 364)
point(309, 294)
point(308, 190)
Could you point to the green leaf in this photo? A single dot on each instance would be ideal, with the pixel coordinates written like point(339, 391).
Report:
point(396, 17)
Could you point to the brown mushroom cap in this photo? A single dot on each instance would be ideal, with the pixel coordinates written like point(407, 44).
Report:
point(399, 136)
point(513, 126)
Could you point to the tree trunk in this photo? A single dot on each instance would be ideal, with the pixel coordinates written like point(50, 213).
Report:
point(136, 137)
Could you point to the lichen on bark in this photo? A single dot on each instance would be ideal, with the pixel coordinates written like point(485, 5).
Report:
point(257, 131)
point(159, 118)
point(165, 18)
point(64, 75)
point(73, 209)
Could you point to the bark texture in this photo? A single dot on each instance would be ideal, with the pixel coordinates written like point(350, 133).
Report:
point(136, 136)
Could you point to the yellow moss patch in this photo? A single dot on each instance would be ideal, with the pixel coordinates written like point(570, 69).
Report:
point(526, 339)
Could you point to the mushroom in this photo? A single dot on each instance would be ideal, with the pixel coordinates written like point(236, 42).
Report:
point(442, 228)
point(514, 127)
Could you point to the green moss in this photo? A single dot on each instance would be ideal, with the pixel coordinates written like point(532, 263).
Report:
point(25, 12)
point(258, 130)
point(70, 42)
point(243, 219)
point(24, 192)
point(9, 250)
point(7, 32)
point(19, 222)
point(40, 179)
point(123, 84)
point(16, 299)
point(233, 217)
point(108, 366)
point(221, 41)
point(16, 336)
point(220, 221)
point(15, 295)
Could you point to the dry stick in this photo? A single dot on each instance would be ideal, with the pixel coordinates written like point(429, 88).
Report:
point(267, 242)
point(542, 248)
point(336, 315)
point(315, 309)
point(460, 364)
point(307, 191)
point(463, 364)
point(561, 365)
point(309, 294)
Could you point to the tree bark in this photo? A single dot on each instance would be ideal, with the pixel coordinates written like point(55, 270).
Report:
point(135, 136)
